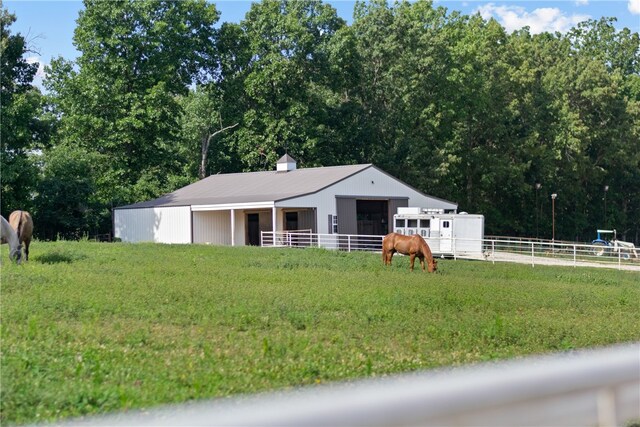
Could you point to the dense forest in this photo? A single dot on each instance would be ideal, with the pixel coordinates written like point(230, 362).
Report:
point(163, 94)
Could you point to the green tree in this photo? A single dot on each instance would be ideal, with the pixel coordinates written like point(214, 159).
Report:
point(398, 103)
point(284, 80)
point(201, 124)
point(66, 203)
point(22, 129)
point(596, 129)
point(120, 99)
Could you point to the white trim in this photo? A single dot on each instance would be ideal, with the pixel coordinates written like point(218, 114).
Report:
point(274, 222)
point(233, 227)
point(230, 206)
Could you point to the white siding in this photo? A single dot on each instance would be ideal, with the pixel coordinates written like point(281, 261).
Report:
point(160, 225)
point(240, 227)
point(370, 182)
point(212, 227)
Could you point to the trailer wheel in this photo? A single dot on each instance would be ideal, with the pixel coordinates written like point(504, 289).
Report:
point(600, 249)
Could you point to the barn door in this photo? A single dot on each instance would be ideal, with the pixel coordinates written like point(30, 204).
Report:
point(347, 220)
point(445, 235)
point(307, 220)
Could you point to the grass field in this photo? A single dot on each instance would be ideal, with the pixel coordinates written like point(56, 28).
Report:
point(96, 327)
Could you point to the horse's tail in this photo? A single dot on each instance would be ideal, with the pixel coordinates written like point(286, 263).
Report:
point(20, 224)
point(384, 252)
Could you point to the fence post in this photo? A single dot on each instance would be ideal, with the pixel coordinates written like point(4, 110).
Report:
point(349, 243)
point(574, 256)
point(533, 254)
point(619, 259)
point(454, 249)
point(493, 251)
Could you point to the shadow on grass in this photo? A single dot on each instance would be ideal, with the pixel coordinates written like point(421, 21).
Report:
point(59, 257)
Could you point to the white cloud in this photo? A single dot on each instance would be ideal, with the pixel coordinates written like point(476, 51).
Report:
point(582, 2)
point(543, 19)
point(32, 60)
point(634, 7)
point(40, 74)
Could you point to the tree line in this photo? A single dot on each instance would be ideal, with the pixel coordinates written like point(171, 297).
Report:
point(163, 94)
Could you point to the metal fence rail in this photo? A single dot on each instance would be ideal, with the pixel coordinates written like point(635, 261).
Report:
point(590, 387)
point(534, 252)
point(346, 242)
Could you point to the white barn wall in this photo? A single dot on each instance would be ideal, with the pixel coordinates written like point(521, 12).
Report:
point(160, 225)
point(212, 227)
point(361, 185)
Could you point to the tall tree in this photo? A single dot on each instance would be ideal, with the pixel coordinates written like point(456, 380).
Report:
point(66, 203)
point(21, 129)
point(120, 101)
point(405, 91)
point(284, 81)
point(202, 124)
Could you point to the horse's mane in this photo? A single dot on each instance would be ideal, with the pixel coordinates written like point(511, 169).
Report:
point(426, 251)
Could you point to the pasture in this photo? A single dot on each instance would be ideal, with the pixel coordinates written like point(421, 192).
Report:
point(96, 327)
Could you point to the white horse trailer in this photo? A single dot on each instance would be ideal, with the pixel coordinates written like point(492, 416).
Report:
point(446, 234)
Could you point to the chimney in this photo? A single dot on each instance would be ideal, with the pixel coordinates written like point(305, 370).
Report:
point(286, 164)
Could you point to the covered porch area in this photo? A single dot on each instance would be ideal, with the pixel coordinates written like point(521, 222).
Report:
point(241, 224)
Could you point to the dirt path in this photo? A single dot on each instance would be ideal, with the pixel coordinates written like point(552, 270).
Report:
point(540, 260)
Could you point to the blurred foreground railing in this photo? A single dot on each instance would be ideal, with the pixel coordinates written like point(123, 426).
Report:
point(534, 252)
point(580, 388)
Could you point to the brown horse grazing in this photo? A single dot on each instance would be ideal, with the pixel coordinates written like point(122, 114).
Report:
point(413, 245)
point(23, 224)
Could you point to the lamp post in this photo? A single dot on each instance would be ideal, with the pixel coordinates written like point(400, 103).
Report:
point(553, 217)
point(538, 185)
point(606, 188)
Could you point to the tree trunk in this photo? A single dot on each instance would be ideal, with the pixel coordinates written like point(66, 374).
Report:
point(206, 140)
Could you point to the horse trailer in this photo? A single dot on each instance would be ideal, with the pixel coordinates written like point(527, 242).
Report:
point(446, 234)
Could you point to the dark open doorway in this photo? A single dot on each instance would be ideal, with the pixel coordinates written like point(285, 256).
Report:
point(253, 229)
point(291, 221)
point(372, 217)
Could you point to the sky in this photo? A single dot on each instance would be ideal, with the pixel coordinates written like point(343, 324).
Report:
point(48, 25)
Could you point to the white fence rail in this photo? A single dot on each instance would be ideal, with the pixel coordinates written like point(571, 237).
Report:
point(583, 388)
point(534, 252)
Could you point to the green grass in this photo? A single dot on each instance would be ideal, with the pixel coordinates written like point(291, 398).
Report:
point(92, 327)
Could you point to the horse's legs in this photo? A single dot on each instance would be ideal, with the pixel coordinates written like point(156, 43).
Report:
point(422, 263)
point(26, 250)
point(389, 257)
point(413, 259)
point(386, 256)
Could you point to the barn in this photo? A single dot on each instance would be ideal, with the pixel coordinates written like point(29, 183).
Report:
point(233, 209)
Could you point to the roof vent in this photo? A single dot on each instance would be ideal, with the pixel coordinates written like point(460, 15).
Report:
point(286, 164)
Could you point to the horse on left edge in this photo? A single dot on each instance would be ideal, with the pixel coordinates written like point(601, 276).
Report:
point(22, 222)
point(9, 235)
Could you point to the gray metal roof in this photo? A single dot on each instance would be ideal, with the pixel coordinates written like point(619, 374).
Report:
point(286, 159)
point(253, 187)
